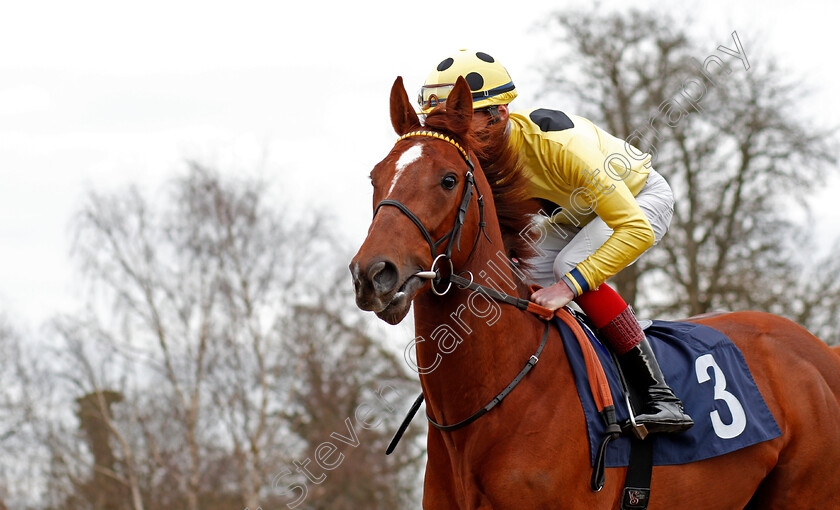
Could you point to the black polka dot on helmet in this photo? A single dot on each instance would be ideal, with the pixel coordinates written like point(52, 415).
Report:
point(475, 80)
point(445, 64)
point(485, 57)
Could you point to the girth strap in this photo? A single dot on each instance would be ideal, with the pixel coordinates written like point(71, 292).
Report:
point(636, 495)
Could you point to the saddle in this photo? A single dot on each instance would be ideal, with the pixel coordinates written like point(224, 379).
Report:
point(704, 368)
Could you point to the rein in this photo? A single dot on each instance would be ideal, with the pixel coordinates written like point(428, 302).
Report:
point(454, 237)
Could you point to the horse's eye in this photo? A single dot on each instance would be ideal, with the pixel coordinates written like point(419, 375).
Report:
point(448, 181)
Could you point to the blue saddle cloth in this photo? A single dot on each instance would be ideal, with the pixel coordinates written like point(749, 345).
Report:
point(709, 374)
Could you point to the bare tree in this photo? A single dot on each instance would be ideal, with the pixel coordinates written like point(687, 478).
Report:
point(197, 286)
point(87, 365)
point(742, 242)
point(26, 402)
point(200, 298)
point(13, 406)
point(817, 304)
point(344, 375)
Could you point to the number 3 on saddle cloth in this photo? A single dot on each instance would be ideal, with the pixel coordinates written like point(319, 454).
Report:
point(706, 371)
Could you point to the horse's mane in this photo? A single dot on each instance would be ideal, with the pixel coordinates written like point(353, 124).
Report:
point(505, 173)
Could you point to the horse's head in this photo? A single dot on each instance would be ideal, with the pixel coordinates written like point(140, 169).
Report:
point(417, 192)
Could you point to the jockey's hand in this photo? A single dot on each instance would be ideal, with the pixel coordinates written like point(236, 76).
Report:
point(553, 297)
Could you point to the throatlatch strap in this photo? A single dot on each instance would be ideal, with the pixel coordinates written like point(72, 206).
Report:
point(637, 484)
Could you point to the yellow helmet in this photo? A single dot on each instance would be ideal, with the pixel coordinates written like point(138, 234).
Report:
point(489, 81)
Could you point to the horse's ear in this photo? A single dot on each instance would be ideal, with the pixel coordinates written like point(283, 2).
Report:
point(403, 116)
point(459, 105)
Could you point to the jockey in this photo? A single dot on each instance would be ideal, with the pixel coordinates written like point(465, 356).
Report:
point(603, 206)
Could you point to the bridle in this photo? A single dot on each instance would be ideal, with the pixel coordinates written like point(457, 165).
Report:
point(433, 274)
point(454, 237)
point(454, 234)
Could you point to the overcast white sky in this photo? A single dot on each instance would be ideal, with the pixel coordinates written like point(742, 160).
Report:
point(101, 94)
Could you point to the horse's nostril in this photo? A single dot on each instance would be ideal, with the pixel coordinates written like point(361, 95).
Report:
point(354, 274)
point(384, 276)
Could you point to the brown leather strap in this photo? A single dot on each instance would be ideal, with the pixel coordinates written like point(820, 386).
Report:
point(540, 311)
point(595, 372)
point(504, 393)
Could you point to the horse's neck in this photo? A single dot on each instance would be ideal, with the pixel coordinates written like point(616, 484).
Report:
point(475, 344)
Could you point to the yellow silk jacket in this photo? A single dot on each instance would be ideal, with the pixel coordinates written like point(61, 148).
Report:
point(586, 172)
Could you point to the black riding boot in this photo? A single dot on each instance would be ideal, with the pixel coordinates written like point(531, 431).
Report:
point(663, 411)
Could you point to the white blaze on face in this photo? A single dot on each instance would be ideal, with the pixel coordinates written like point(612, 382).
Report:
point(406, 159)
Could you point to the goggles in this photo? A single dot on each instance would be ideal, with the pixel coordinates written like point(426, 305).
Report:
point(434, 95)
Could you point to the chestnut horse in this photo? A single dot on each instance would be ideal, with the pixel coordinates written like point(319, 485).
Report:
point(532, 451)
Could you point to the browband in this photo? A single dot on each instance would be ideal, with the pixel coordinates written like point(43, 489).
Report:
point(435, 134)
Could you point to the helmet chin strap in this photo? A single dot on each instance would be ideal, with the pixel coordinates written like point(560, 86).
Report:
point(494, 113)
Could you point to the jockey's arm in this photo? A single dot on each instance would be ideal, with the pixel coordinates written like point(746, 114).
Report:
point(582, 166)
